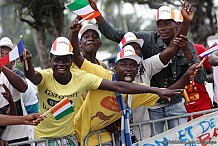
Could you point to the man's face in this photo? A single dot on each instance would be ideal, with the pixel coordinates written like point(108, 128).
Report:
point(167, 30)
point(126, 70)
point(4, 52)
point(90, 42)
point(61, 64)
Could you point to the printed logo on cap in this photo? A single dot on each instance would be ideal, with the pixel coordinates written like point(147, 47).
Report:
point(165, 13)
point(127, 52)
point(130, 37)
point(61, 46)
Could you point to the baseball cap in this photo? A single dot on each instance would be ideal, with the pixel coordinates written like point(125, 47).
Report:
point(128, 52)
point(5, 41)
point(130, 37)
point(61, 46)
point(165, 13)
point(178, 15)
point(86, 27)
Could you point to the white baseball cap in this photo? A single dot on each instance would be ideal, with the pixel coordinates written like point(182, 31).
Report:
point(61, 46)
point(130, 37)
point(178, 15)
point(165, 13)
point(86, 27)
point(128, 52)
point(5, 41)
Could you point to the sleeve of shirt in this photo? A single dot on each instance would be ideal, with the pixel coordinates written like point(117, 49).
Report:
point(110, 33)
point(153, 65)
point(96, 69)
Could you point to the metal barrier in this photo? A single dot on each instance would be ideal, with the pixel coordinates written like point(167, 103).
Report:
point(150, 122)
point(62, 141)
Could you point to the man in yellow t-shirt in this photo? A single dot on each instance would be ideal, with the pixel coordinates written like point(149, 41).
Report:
point(60, 81)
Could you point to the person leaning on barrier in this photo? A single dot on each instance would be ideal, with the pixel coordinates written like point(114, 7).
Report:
point(100, 108)
point(61, 81)
point(154, 43)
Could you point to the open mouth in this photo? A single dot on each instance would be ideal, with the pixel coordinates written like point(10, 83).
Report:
point(128, 77)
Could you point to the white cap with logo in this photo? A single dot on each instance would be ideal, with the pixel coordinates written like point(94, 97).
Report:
point(128, 52)
point(5, 41)
point(130, 37)
point(165, 13)
point(86, 27)
point(61, 46)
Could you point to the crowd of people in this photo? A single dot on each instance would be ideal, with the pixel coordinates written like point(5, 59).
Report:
point(157, 74)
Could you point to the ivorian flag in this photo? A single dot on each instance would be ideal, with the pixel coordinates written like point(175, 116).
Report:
point(83, 9)
point(13, 54)
point(62, 109)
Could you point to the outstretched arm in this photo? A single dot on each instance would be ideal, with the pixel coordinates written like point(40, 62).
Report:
point(34, 76)
point(31, 119)
point(131, 88)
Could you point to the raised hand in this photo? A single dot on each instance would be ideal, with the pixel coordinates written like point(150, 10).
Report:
point(75, 26)
point(187, 10)
point(193, 71)
point(33, 119)
point(93, 4)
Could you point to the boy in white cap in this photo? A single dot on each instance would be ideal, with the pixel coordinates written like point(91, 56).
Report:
point(60, 81)
point(154, 43)
point(90, 42)
point(101, 106)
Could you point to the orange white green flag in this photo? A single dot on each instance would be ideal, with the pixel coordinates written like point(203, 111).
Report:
point(61, 109)
point(83, 9)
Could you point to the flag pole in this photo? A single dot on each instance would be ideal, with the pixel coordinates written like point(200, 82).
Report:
point(86, 17)
point(24, 54)
point(202, 61)
point(53, 107)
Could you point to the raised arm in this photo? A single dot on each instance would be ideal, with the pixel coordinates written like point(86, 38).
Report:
point(173, 48)
point(34, 76)
point(15, 80)
point(73, 37)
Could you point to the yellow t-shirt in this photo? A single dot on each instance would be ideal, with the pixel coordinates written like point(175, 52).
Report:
point(51, 92)
point(101, 108)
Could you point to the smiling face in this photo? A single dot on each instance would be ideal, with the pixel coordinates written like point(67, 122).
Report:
point(61, 65)
point(167, 30)
point(90, 42)
point(126, 70)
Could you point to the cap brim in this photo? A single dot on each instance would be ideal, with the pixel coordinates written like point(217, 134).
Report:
point(60, 53)
point(138, 41)
point(133, 57)
point(91, 27)
point(9, 46)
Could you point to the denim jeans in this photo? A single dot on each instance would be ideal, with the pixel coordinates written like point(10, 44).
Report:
point(167, 111)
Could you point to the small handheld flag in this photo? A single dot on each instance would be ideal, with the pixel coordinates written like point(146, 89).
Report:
point(13, 54)
point(61, 109)
point(213, 48)
point(83, 9)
